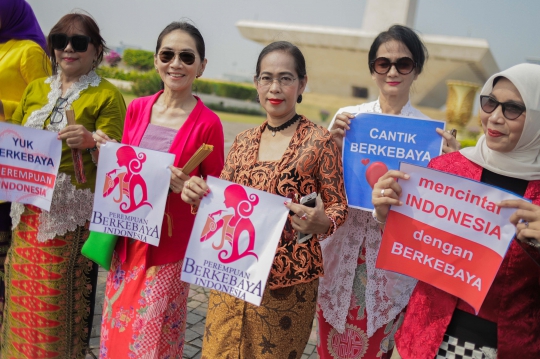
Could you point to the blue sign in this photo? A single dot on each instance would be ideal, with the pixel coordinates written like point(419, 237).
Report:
point(377, 143)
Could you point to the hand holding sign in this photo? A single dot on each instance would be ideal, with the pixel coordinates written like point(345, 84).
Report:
point(526, 219)
point(309, 220)
point(341, 124)
point(178, 179)
point(386, 193)
point(450, 143)
point(194, 190)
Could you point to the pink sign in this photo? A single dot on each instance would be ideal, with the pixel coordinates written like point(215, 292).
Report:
point(132, 184)
point(234, 240)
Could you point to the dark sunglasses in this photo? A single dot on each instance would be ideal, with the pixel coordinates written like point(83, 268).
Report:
point(510, 110)
point(186, 57)
point(79, 43)
point(382, 65)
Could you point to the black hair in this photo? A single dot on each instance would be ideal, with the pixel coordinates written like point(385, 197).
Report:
point(189, 29)
point(90, 28)
point(285, 46)
point(406, 36)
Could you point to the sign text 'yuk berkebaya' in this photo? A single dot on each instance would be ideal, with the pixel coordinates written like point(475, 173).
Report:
point(29, 162)
point(449, 233)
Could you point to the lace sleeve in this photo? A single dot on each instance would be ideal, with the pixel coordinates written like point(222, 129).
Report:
point(387, 293)
point(340, 256)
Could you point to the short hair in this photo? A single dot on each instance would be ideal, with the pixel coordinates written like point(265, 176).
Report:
point(406, 36)
point(189, 29)
point(90, 28)
point(287, 47)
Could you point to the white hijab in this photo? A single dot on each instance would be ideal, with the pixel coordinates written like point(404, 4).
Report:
point(524, 160)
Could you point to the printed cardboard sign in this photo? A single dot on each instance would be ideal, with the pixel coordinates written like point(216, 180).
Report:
point(234, 240)
point(131, 192)
point(377, 143)
point(449, 233)
point(29, 162)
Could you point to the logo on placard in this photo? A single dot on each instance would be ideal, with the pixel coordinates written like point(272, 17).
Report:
point(132, 186)
point(234, 224)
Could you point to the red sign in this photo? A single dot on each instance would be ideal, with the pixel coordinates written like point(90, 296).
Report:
point(449, 233)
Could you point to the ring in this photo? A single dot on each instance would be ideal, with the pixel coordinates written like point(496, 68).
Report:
point(304, 216)
point(382, 192)
point(526, 224)
point(187, 185)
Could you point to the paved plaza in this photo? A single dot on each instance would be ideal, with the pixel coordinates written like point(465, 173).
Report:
point(197, 306)
point(198, 296)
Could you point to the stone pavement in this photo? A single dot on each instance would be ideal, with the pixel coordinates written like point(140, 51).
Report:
point(198, 296)
point(197, 306)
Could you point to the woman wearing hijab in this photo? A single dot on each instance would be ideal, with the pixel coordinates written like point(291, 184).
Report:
point(23, 58)
point(438, 324)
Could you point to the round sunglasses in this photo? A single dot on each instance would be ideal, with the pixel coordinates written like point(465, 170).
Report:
point(186, 57)
point(382, 65)
point(510, 110)
point(79, 43)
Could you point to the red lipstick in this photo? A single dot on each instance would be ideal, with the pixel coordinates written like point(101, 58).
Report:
point(494, 133)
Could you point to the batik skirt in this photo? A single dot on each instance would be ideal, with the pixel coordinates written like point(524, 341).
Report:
point(144, 310)
point(354, 343)
point(277, 329)
point(50, 290)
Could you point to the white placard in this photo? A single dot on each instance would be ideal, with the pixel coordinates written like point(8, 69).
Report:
point(131, 192)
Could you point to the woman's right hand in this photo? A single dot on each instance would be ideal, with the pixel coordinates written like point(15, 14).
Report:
point(194, 190)
point(101, 138)
point(341, 124)
point(386, 193)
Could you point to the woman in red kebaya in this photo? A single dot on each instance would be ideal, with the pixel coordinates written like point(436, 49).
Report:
point(438, 324)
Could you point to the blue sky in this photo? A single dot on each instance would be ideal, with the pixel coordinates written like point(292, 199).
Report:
point(512, 28)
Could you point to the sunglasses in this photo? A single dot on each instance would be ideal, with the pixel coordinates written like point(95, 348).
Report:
point(186, 57)
point(382, 65)
point(79, 43)
point(510, 110)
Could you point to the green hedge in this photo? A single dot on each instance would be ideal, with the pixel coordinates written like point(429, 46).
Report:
point(116, 73)
point(147, 82)
point(232, 109)
point(140, 59)
point(468, 142)
point(225, 89)
point(147, 85)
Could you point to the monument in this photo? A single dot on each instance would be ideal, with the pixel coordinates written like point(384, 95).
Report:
point(337, 58)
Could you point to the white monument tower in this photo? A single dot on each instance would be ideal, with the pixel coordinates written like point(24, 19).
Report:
point(337, 58)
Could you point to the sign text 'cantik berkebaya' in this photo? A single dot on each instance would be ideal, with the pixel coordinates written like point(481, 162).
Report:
point(449, 233)
point(377, 143)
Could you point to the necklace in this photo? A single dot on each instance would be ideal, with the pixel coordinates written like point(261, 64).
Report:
point(283, 126)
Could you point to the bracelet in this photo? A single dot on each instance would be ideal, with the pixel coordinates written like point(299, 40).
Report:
point(93, 149)
point(533, 243)
point(322, 237)
point(374, 215)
